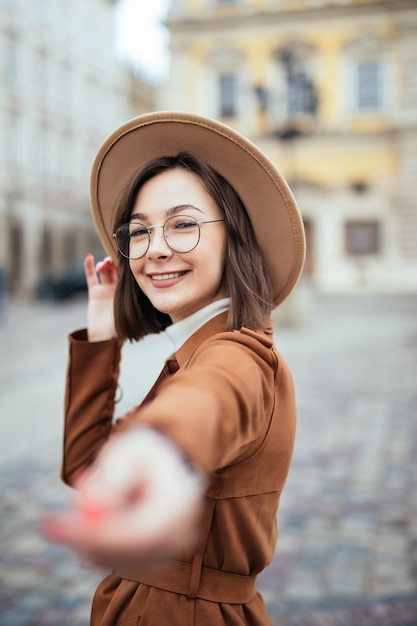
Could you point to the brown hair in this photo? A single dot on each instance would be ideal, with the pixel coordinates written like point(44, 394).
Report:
point(245, 277)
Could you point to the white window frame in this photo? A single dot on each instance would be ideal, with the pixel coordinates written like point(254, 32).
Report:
point(221, 63)
point(359, 53)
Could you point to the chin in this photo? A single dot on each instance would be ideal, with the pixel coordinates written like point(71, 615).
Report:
point(167, 308)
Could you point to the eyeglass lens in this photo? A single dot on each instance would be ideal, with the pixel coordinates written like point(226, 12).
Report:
point(181, 233)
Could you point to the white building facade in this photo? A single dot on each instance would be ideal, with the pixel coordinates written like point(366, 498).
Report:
point(62, 92)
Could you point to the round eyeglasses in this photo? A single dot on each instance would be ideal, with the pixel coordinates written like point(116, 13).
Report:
point(181, 233)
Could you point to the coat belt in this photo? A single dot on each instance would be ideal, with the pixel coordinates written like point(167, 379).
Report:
point(197, 581)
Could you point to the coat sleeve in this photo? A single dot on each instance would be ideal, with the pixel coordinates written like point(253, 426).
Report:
point(217, 406)
point(92, 378)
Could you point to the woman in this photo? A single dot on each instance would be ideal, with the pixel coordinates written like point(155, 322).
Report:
point(180, 495)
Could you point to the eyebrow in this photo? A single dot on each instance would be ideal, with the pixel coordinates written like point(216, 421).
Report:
point(169, 212)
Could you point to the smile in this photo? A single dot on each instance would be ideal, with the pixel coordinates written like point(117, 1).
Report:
point(167, 276)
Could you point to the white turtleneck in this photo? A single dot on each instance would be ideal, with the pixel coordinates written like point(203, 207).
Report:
point(179, 333)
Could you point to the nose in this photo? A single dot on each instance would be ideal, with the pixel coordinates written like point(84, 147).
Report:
point(158, 247)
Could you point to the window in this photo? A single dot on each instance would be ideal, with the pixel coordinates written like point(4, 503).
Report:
point(369, 85)
point(13, 143)
point(225, 73)
point(362, 237)
point(301, 94)
point(45, 159)
point(46, 249)
point(65, 158)
point(292, 89)
point(65, 90)
point(228, 95)
point(42, 77)
point(11, 60)
point(367, 63)
point(70, 246)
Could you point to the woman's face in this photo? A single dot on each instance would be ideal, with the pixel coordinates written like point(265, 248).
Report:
point(179, 283)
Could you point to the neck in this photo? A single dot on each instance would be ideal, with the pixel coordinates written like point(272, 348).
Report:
point(178, 333)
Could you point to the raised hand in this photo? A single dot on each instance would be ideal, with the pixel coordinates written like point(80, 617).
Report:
point(101, 283)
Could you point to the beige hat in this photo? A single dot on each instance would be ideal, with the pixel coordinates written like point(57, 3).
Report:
point(268, 200)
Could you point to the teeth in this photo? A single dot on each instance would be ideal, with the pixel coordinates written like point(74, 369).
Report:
point(166, 276)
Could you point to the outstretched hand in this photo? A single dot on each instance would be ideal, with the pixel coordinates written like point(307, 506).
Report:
point(139, 501)
point(101, 283)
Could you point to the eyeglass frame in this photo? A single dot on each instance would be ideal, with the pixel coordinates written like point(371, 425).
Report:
point(154, 226)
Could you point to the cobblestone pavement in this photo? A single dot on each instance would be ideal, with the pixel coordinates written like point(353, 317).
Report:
point(347, 551)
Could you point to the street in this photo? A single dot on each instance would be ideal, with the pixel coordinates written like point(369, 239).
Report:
point(347, 548)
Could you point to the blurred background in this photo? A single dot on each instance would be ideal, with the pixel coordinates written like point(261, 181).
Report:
point(328, 89)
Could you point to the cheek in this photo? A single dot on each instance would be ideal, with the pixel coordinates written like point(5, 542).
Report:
point(216, 261)
point(135, 266)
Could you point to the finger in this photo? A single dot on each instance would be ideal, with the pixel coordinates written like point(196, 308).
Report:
point(107, 271)
point(90, 271)
point(93, 546)
point(99, 534)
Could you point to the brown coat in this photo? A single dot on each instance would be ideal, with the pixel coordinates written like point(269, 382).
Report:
point(227, 400)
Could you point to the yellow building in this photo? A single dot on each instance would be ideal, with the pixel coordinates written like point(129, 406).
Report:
point(328, 88)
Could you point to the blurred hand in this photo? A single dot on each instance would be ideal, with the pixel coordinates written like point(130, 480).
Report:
point(101, 283)
point(138, 502)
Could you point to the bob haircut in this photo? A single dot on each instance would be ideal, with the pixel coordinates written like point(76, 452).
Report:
point(245, 278)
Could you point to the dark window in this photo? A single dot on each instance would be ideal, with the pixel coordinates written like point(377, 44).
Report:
point(302, 97)
point(46, 252)
point(362, 237)
point(228, 95)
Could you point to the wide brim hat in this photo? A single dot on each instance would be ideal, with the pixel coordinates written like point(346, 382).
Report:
point(271, 207)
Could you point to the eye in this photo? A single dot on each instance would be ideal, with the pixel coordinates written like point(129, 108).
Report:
point(183, 223)
point(138, 230)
